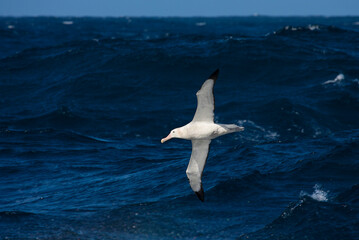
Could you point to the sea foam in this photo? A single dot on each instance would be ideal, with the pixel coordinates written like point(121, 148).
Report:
point(319, 194)
point(67, 22)
point(336, 80)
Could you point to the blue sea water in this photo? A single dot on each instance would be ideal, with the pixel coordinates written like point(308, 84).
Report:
point(85, 101)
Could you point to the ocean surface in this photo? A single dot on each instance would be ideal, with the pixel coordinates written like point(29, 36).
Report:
point(84, 103)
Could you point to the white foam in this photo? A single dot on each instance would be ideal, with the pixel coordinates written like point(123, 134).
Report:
point(67, 22)
point(256, 132)
point(336, 80)
point(319, 194)
point(201, 24)
point(10, 26)
point(313, 27)
point(355, 23)
point(272, 135)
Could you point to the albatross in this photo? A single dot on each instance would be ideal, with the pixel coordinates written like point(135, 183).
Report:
point(201, 130)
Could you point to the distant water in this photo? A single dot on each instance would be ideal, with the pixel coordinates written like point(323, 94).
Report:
point(85, 101)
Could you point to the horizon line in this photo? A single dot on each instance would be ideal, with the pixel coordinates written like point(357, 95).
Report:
point(174, 16)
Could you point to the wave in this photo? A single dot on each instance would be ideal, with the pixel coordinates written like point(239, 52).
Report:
point(350, 196)
point(337, 165)
point(311, 28)
point(311, 219)
point(60, 118)
point(291, 120)
point(243, 187)
point(15, 214)
point(319, 194)
point(39, 134)
point(256, 133)
point(337, 80)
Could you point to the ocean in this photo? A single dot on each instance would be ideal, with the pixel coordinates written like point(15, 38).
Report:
point(85, 102)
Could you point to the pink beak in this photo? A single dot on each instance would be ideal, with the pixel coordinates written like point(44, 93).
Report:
point(166, 138)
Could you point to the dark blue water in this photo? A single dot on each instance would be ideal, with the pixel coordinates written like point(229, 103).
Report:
point(85, 101)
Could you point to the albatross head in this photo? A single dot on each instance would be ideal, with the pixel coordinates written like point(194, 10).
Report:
point(175, 133)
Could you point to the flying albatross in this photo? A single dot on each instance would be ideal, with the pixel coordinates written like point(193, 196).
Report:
point(201, 130)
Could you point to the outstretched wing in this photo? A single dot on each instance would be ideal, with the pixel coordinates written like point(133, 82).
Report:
point(195, 167)
point(205, 100)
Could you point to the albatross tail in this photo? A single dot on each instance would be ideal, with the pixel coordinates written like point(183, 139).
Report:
point(232, 128)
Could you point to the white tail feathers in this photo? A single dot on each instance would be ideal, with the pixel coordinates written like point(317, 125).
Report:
point(233, 127)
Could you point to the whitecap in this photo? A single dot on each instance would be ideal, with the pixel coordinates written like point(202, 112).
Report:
point(319, 194)
point(336, 80)
point(313, 27)
point(355, 23)
point(10, 26)
point(201, 24)
point(67, 22)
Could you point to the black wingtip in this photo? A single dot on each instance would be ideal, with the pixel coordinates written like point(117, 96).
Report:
point(214, 75)
point(200, 194)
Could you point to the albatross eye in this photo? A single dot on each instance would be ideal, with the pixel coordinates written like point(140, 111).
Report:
point(173, 131)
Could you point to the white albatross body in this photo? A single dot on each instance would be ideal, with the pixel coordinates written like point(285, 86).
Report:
point(201, 130)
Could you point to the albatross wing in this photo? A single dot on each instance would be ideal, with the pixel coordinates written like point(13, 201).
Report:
point(195, 167)
point(205, 100)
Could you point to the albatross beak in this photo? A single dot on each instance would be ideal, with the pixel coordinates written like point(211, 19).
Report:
point(166, 138)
